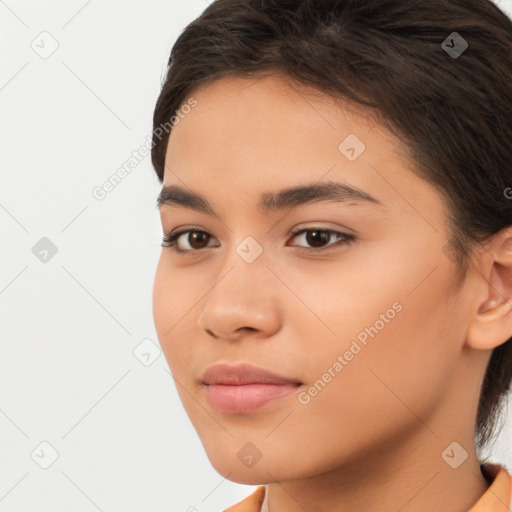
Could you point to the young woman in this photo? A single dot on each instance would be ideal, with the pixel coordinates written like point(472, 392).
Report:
point(334, 292)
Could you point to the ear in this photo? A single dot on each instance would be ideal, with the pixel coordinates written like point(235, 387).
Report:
point(491, 322)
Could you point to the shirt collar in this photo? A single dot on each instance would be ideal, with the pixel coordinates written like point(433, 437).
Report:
point(498, 496)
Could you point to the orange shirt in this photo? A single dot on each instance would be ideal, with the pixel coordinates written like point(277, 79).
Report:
point(497, 498)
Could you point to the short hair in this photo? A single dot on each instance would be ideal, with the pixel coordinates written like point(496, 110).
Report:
point(407, 62)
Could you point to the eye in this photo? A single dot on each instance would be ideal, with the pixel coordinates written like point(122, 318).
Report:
point(315, 237)
point(195, 240)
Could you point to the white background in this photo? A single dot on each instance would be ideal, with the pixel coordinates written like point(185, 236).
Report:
point(70, 325)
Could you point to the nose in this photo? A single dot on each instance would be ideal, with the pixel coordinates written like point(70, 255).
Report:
point(243, 302)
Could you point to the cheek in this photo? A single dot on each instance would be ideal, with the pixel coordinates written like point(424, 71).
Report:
point(174, 295)
point(169, 310)
point(388, 383)
point(395, 330)
point(176, 299)
point(161, 300)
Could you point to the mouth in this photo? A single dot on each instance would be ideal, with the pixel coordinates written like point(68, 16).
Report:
point(244, 388)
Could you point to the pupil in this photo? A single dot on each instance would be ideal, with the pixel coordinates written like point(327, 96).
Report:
point(197, 236)
point(317, 238)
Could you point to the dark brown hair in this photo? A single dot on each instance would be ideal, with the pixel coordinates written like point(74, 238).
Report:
point(453, 112)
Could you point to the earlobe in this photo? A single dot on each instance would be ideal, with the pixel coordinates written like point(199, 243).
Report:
point(491, 324)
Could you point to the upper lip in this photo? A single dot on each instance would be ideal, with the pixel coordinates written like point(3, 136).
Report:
point(241, 374)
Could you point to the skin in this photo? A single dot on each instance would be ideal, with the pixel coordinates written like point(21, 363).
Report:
point(372, 439)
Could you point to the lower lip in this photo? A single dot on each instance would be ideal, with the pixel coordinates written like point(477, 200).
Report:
point(245, 398)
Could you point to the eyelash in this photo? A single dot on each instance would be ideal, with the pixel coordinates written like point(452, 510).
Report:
point(170, 241)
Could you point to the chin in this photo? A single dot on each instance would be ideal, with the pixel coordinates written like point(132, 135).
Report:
point(256, 472)
point(232, 469)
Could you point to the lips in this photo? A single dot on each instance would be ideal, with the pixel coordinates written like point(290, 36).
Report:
point(243, 388)
point(242, 374)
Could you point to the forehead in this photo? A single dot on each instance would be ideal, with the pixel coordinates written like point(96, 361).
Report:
point(270, 113)
point(259, 108)
point(252, 135)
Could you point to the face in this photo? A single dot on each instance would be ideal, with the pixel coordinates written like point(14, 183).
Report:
point(349, 299)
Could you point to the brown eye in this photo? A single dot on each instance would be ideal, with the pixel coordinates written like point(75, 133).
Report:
point(197, 239)
point(317, 238)
point(194, 241)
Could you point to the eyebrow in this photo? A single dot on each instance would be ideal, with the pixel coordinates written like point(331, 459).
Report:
point(288, 198)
